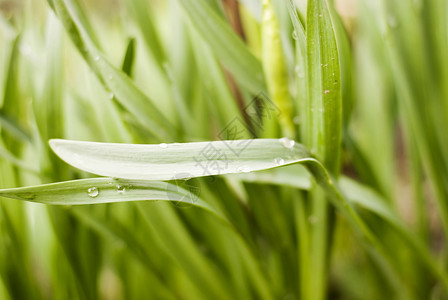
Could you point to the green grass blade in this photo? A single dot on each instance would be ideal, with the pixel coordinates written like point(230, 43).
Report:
point(275, 69)
point(324, 112)
point(114, 80)
point(102, 190)
point(229, 48)
point(140, 10)
point(161, 162)
point(179, 160)
point(129, 57)
point(358, 195)
point(322, 132)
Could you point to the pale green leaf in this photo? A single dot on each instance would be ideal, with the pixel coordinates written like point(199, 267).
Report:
point(103, 190)
point(179, 160)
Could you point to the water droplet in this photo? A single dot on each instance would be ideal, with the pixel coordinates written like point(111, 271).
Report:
point(163, 145)
point(324, 65)
point(294, 35)
point(111, 96)
point(287, 142)
point(93, 192)
point(244, 169)
point(97, 58)
point(326, 91)
point(279, 161)
point(120, 189)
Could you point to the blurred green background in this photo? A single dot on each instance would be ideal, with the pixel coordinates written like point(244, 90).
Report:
point(151, 71)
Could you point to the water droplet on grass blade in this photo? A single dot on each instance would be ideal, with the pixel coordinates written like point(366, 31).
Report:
point(93, 192)
point(97, 58)
point(244, 169)
point(120, 189)
point(279, 161)
point(288, 143)
point(163, 145)
point(294, 35)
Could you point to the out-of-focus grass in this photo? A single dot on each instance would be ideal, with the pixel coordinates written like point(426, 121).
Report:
point(371, 105)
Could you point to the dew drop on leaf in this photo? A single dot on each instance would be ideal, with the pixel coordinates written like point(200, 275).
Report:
point(120, 189)
point(279, 161)
point(244, 169)
point(93, 192)
point(294, 35)
point(288, 143)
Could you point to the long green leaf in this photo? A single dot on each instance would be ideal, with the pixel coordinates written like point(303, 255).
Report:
point(322, 132)
point(102, 190)
point(324, 111)
point(179, 160)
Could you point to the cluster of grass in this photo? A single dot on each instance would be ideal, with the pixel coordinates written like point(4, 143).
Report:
point(331, 114)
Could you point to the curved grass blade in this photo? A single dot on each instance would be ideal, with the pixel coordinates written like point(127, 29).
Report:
point(109, 190)
point(178, 160)
point(103, 190)
point(164, 161)
point(358, 195)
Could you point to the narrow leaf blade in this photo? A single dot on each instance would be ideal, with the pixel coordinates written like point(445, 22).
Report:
point(178, 160)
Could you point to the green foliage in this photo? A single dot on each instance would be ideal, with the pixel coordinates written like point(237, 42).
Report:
point(291, 149)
